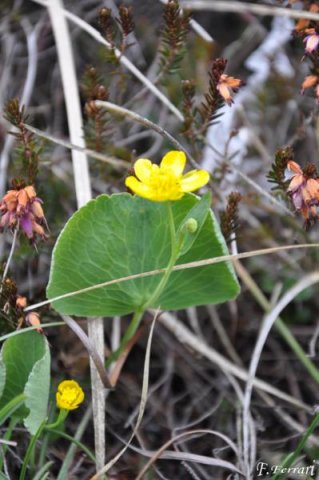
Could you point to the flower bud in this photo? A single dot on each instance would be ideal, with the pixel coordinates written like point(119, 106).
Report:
point(191, 225)
point(21, 302)
point(33, 319)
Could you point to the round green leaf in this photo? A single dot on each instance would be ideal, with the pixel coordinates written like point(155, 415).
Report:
point(19, 355)
point(121, 235)
point(37, 391)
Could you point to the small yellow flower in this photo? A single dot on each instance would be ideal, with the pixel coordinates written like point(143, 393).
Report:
point(166, 181)
point(69, 395)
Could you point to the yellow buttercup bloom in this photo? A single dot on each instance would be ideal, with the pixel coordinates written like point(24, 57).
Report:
point(69, 395)
point(166, 181)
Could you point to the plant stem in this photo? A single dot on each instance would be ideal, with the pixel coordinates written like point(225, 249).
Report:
point(14, 241)
point(174, 255)
point(130, 331)
point(61, 417)
point(7, 436)
point(30, 450)
point(133, 326)
point(11, 407)
point(290, 459)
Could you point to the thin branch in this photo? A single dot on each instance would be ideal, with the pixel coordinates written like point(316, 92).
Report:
point(243, 7)
point(31, 37)
point(186, 337)
point(14, 241)
point(115, 162)
point(198, 263)
point(83, 195)
point(124, 112)
point(86, 341)
point(122, 59)
point(268, 322)
point(142, 405)
point(162, 453)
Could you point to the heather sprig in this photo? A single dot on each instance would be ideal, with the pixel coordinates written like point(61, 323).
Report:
point(27, 150)
point(277, 174)
point(175, 29)
point(96, 127)
point(229, 217)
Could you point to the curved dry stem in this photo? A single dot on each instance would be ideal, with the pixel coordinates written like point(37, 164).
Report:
point(183, 266)
point(185, 455)
point(88, 344)
point(124, 112)
point(268, 322)
point(122, 59)
point(242, 7)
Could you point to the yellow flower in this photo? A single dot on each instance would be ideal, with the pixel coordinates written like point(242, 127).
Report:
point(166, 181)
point(69, 395)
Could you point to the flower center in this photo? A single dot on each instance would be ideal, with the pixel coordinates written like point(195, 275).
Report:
point(165, 184)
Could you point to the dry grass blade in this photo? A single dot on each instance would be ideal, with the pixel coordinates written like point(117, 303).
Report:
point(118, 365)
point(183, 266)
point(124, 60)
point(98, 361)
point(190, 457)
point(242, 7)
point(186, 337)
point(115, 162)
point(31, 36)
point(268, 322)
point(144, 395)
point(124, 112)
point(83, 195)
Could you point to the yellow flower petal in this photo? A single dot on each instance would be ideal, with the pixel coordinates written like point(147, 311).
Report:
point(194, 180)
point(143, 169)
point(69, 395)
point(140, 189)
point(175, 161)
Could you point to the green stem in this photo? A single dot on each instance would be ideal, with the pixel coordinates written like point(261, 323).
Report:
point(30, 449)
point(290, 459)
point(75, 442)
point(174, 255)
point(61, 417)
point(11, 407)
point(130, 331)
point(7, 436)
point(133, 326)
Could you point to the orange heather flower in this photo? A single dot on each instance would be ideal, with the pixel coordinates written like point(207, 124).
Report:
point(34, 320)
point(227, 86)
point(22, 208)
point(309, 82)
point(303, 23)
point(21, 302)
point(304, 190)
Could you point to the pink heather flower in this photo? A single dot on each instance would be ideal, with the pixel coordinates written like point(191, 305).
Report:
point(304, 191)
point(311, 40)
point(22, 208)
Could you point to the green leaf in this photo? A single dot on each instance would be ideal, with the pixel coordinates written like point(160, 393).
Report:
point(37, 391)
point(199, 214)
point(122, 235)
point(20, 354)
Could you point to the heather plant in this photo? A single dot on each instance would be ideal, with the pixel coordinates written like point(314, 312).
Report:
point(125, 305)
